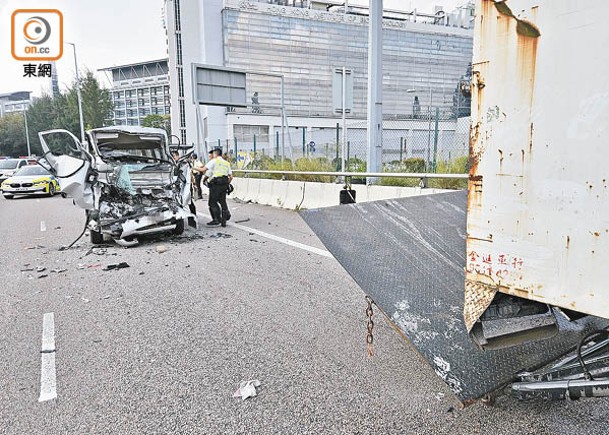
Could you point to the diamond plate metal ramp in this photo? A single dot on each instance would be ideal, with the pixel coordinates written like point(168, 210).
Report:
point(409, 254)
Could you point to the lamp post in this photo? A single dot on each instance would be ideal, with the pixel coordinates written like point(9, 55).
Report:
point(437, 43)
point(78, 95)
point(27, 133)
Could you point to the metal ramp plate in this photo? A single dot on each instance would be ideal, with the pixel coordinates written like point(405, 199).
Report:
point(409, 255)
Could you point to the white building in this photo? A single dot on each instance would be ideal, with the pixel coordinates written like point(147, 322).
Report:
point(138, 90)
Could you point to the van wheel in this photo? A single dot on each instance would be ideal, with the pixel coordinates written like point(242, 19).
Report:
point(179, 229)
point(97, 238)
point(51, 189)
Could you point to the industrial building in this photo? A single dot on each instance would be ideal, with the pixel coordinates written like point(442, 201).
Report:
point(138, 90)
point(306, 42)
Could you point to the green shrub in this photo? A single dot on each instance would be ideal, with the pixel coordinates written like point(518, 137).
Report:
point(414, 164)
point(459, 165)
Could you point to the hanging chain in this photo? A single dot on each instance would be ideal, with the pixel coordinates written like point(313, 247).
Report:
point(370, 325)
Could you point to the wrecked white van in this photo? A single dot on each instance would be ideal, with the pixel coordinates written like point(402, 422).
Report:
point(125, 179)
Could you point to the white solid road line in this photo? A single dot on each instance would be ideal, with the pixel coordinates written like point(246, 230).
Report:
point(43, 226)
point(48, 381)
point(288, 242)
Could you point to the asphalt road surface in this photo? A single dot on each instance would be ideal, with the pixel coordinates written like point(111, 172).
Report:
point(161, 346)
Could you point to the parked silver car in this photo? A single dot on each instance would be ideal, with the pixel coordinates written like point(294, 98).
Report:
point(9, 166)
point(126, 180)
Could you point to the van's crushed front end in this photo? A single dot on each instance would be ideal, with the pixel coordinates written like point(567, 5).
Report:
point(126, 181)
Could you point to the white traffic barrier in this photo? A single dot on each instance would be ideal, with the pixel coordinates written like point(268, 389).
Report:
point(309, 195)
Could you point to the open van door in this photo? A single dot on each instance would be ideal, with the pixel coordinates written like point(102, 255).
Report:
point(66, 158)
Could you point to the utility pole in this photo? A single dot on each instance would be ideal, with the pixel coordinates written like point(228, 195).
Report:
point(375, 89)
point(78, 95)
point(27, 132)
point(344, 141)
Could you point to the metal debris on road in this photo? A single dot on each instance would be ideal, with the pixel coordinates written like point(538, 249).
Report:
point(97, 251)
point(220, 236)
point(247, 389)
point(116, 266)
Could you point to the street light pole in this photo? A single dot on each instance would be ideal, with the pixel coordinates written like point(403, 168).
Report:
point(27, 133)
point(78, 95)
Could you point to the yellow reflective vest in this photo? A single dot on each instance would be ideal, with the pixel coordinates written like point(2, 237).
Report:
point(221, 168)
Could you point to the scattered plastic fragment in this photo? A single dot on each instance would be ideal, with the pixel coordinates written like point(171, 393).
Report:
point(220, 236)
point(59, 270)
point(40, 269)
point(116, 266)
point(106, 297)
point(242, 220)
point(161, 248)
point(44, 275)
point(247, 389)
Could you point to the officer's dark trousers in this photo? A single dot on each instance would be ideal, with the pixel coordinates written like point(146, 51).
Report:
point(217, 201)
point(198, 178)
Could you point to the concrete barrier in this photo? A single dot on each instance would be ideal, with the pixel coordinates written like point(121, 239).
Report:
point(308, 195)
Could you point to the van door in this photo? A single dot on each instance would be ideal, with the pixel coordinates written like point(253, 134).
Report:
point(66, 158)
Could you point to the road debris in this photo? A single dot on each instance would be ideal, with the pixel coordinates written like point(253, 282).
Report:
point(161, 248)
point(59, 270)
point(40, 269)
point(116, 266)
point(27, 269)
point(97, 251)
point(247, 389)
point(44, 275)
point(242, 221)
point(220, 236)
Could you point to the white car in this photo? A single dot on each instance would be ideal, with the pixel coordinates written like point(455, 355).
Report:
point(126, 180)
point(30, 180)
point(9, 166)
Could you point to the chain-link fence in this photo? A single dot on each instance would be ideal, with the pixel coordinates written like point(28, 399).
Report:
point(426, 142)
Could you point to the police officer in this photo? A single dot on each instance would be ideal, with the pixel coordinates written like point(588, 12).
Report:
point(196, 163)
point(221, 176)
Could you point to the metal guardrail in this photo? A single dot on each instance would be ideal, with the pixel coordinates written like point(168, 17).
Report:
point(359, 174)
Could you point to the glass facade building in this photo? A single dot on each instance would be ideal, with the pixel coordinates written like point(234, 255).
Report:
point(305, 45)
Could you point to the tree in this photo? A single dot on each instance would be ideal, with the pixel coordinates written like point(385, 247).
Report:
point(12, 135)
point(158, 121)
point(96, 104)
point(46, 113)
